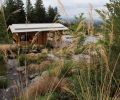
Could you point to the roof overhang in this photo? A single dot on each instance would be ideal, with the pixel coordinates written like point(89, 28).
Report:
point(22, 28)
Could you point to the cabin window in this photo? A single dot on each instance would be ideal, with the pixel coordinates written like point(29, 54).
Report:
point(24, 37)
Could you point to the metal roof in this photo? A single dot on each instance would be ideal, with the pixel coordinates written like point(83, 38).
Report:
point(19, 28)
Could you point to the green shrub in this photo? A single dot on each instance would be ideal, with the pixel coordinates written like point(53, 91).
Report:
point(3, 68)
point(49, 46)
point(21, 60)
point(68, 65)
point(2, 61)
point(28, 60)
point(24, 59)
point(3, 82)
point(79, 50)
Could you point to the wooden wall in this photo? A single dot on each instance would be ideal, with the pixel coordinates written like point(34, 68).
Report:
point(41, 38)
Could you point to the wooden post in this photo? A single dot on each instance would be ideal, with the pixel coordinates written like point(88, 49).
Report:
point(16, 38)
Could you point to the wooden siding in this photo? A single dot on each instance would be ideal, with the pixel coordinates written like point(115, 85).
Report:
point(41, 38)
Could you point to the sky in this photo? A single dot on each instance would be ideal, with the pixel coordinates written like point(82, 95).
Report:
point(71, 8)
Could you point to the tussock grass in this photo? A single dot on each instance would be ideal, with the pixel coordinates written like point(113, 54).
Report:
point(44, 65)
point(43, 86)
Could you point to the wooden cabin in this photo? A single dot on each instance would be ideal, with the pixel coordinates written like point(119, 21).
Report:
point(34, 33)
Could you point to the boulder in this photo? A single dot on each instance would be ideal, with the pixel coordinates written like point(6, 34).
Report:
point(12, 92)
point(20, 69)
point(33, 76)
point(45, 74)
point(53, 57)
point(82, 58)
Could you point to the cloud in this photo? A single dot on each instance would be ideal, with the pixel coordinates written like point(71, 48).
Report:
point(75, 7)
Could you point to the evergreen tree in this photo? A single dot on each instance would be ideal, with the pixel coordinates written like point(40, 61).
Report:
point(20, 15)
point(53, 14)
point(57, 15)
point(9, 9)
point(40, 12)
point(3, 32)
point(29, 12)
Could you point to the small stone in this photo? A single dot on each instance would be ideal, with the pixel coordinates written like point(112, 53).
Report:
point(52, 57)
point(31, 77)
point(15, 74)
point(34, 51)
point(45, 74)
point(38, 78)
point(44, 51)
point(20, 69)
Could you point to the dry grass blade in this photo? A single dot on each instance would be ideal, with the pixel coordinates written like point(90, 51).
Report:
point(91, 21)
point(81, 24)
point(104, 55)
point(39, 67)
point(43, 86)
point(62, 8)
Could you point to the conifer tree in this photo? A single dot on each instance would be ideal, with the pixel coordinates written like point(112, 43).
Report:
point(9, 9)
point(3, 31)
point(40, 12)
point(29, 12)
point(20, 15)
point(53, 14)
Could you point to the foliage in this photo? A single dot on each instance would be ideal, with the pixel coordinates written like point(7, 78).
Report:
point(3, 82)
point(22, 60)
point(79, 50)
point(3, 36)
point(111, 30)
point(3, 68)
point(20, 13)
point(49, 46)
point(3, 72)
point(40, 13)
point(52, 14)
point(78, 24)
point(31, 58)
point(68, 65)
point(29, 12)
point(14, 12)
point(10, 7)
